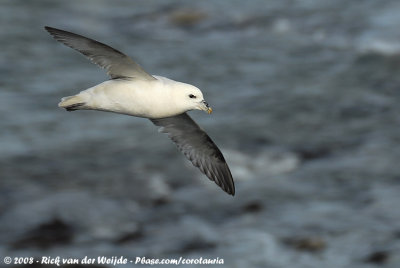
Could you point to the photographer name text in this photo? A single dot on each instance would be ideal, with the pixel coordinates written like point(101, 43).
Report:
point(114, 260)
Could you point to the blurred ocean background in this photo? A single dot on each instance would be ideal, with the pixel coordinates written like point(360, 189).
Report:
point(306, 110)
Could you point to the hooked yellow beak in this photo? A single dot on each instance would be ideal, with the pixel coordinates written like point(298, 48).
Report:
point(206, 107)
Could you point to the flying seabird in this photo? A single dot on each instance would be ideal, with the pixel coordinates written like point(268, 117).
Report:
point(132, 91)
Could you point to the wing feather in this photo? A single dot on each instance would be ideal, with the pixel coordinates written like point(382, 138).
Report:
point(198, 147)
point(117, 64)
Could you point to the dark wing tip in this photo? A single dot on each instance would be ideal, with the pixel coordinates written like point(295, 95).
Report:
point(221, 174)
point(60, 35)
point(52, 30)
point(225, 177)
point(230, 191)
point(218, 172)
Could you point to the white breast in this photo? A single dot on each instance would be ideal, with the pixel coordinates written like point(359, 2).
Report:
point(151, 99)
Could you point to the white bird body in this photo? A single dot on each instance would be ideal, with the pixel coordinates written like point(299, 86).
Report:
point(141, 98)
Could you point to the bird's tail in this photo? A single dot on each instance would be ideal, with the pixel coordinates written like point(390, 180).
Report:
point(72, 103)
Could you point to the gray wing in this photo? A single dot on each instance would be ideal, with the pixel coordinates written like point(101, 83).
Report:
point(198, 147)
point(117, 64)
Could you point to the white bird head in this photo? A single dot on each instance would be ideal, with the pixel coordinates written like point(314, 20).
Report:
point(192, 98)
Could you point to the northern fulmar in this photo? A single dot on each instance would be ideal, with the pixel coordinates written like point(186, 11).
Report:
point(133, 91)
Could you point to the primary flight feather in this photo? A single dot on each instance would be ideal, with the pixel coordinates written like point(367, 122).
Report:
point(134, 92)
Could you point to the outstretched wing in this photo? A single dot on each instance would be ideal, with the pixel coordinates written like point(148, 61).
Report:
point(198, 147)
point(117, 64)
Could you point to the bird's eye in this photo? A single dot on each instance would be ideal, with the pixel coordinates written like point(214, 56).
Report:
point(192, 96)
